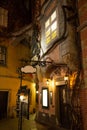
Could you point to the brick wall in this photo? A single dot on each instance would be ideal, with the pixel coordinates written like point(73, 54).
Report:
point(82, 6)
point(83, 99)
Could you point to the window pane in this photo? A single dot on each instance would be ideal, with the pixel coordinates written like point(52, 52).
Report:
point(54, 34)
point(47, 23)
point(48, 32)
point(2, 55)
point(53, 16)
point(48, 40)
point(51, 28)
point(3, 50)
point(3, 17)
point(54, 26)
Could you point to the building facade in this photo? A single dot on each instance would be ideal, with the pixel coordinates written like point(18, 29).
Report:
point(82, 30)
point(11, 54)
point(56, 47)
point(61, 49)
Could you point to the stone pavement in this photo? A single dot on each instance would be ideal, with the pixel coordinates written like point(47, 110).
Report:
point(31, 124)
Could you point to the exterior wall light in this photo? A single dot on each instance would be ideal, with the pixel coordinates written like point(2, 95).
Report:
point(47, 82)
point(21, 97)
point(66, 78)
point(37, 92)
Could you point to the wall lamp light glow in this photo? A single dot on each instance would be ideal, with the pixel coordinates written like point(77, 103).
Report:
point(37, 92)
point(47, 82)
point(66, 78)
point(21, 97)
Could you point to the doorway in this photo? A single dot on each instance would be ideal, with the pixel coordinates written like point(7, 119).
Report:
point(3, 104)
point(63, 99)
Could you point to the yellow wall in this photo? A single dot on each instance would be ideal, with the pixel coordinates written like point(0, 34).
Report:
point(9, 77)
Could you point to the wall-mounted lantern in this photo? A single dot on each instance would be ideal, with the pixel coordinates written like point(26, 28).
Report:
point(66, 78)
point(47, 82)
point(21, 97)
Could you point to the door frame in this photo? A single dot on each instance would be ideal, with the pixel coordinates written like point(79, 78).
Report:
point(60, 104)
point(8, 100)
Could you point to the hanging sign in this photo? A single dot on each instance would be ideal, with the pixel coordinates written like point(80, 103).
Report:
point(28, 69)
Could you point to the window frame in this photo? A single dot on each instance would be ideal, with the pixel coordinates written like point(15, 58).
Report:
point(56, 30)
point(4, 17)
point(3, 53)
point(45, 97)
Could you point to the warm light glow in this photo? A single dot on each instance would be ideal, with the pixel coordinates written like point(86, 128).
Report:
point(37, 92)
point(47, 23)
point(48, 32)
point(33, 85)
point(51, 27)
point(21, 97)
point(45, 99)
point(47, 82)
point(52, 83)
point(54, 34)
point(66, 78)
point(54, 26)
point(53, 16)
point(48, 40)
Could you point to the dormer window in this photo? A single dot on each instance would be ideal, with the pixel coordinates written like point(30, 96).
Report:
point(51, 28)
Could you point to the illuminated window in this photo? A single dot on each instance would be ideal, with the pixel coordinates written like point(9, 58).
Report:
point(2, 55)
point(53, 16)
point(51, 28)
point(3, 17)
point(47, 23)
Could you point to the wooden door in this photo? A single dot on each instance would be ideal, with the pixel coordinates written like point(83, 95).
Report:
point(3, 104)
point(64, 111)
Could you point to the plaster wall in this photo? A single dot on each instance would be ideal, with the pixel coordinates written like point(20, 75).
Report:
point(9, 76)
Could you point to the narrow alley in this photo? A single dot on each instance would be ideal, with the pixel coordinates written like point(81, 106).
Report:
point(31, 124)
